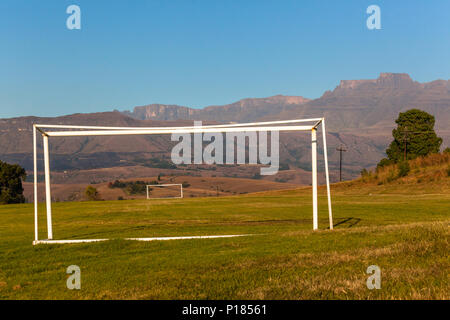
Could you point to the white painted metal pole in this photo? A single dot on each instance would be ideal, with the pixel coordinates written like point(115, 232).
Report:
point(314, 178)
point(177, 128)
point(36, 235)
point(170, 131)
point(325, 155)
point(181, 191)
point(48, 195)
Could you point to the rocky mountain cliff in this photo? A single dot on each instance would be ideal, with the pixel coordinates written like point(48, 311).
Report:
point(242, 111)
point(376, 103)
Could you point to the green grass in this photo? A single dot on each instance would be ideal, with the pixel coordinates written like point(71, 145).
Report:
point(406, 235)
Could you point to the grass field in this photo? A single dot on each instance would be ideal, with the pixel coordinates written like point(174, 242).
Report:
point(405, 234)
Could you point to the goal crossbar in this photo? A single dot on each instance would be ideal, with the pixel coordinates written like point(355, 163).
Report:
point(50, 130)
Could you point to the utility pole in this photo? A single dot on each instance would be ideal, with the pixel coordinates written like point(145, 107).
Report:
point(405, 141)
point(341, 149)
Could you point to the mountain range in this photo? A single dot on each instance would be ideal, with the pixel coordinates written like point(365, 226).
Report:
point(359, 113)
point(353, 104)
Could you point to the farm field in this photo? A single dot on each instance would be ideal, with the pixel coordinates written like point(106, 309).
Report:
point(406, 234)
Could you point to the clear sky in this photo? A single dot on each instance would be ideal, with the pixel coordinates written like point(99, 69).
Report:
point(211, 52)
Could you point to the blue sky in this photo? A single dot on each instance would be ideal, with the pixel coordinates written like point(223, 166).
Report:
point(200, 53)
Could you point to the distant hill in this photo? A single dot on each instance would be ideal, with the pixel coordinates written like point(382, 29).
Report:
point(427, 175)
point(83, 152)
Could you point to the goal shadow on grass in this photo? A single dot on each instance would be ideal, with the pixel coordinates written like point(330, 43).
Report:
point(347, 222)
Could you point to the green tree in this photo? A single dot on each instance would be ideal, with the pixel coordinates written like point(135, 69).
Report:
point(11, 177)
point(384, 162)
point(417, 128)
point(92, 193)
point(185, 184)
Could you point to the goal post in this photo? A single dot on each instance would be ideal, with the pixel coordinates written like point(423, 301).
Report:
point(55, 131)
point(149, 186)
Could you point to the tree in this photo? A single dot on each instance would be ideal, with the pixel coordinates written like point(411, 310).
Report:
point(185, 184)
point(384, 162)
point(92, 193)
point(11, 177)
point(414, 136)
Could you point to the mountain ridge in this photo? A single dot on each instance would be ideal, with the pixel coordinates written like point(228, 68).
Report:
point(359, 113)
point(165, 112)
point(374, 102)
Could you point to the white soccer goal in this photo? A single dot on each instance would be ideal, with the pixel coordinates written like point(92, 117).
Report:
point(164, 186)
point(48, 131)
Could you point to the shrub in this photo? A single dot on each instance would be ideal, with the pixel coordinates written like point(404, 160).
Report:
point(391, 176)
point(403, 169)
point(257, 176)
point(186, 184)
point(117, 184)
point(139, 187)
point(364, 173)
point(92, 193)
point(159, 163)
point(384, 162)
point(447, 150)
point(131, 187)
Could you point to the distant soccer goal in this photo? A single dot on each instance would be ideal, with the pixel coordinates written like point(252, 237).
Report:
point(165, 191)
